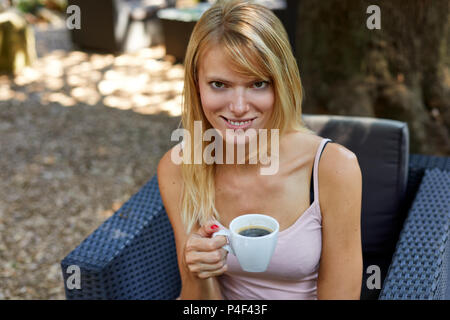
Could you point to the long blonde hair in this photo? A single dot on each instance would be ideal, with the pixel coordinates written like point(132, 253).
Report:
point(256, 42)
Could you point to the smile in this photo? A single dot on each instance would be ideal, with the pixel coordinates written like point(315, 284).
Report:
point(242, 124)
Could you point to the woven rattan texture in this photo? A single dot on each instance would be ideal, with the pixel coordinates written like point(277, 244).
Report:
point(429, 162)
point(131, 255)
point(419, 268)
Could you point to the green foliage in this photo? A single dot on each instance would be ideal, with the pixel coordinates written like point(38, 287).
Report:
point(31, 6)
point(28, 6)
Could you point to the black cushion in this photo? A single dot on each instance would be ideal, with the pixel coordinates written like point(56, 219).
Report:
point(382, 149)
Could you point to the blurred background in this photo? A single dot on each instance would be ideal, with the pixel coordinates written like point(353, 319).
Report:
point(90, 97)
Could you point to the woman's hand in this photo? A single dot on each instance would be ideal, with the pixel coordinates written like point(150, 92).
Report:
point(203, 254)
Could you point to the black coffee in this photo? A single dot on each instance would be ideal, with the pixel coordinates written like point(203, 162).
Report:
point(254, 231)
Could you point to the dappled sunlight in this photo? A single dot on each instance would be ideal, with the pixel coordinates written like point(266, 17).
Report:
point(173, 107)
point(76, 80)
point(77, 57)
point(151, 53)
point(163, 86)
point(6, 94)
point(118, 102)
point(53, 68)
point(144, 81)
point(120, 80)
point(88, 95)
point(154, 66)
point(54, 83)
point(176, 72)
point(27, 76)
point(101, 61)
point(61, 98)
point(142, 101)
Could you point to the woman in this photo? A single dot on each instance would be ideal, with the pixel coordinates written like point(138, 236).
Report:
point(241, 75)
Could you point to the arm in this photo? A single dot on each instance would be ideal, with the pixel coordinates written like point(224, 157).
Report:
point(340, 181)
point(195, 285)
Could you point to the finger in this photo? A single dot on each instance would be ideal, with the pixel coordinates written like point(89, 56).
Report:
point(209, 274)
point(206, 267)
point(220, 241)
point(206, 257)
point(198, 244)
point(208, 229)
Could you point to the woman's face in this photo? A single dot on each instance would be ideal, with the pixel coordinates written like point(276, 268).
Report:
point(231, 101)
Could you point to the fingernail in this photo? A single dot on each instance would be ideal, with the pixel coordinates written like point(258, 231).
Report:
point(214, 226)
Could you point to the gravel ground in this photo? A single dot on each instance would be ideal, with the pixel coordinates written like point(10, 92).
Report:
point(79, 134)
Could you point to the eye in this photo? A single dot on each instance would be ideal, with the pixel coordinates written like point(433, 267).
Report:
point(216, 84)
point(261, 84)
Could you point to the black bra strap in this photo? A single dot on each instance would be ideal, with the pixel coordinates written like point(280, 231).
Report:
point(311, 189)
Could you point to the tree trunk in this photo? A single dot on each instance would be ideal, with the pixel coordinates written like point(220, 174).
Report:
point(400, 72)
point(17, 45)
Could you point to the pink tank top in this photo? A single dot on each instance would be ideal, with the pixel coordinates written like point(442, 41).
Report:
point(293, 270)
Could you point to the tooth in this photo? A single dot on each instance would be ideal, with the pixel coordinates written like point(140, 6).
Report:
point(237, 123)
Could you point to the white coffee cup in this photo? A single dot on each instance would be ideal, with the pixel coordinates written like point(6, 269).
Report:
point(253, 253)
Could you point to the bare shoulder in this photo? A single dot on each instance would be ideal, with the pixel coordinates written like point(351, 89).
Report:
point(333, 156)
point(299, 147)
point(340, 179)
point(170, 182)
point(337, 163)
point(168, 169)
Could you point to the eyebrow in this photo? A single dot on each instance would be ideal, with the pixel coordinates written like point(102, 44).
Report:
point(213, 78)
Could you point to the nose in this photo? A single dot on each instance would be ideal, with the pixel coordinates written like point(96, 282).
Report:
point(239, 104)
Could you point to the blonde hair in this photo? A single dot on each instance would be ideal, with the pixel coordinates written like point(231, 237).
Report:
point(257, 45)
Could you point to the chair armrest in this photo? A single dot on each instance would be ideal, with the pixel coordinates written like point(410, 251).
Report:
point(420, 267)
point(131, 255)
point(418, 163)
point(421, 161)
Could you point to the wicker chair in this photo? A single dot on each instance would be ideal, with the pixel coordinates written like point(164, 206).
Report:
point(404, 224)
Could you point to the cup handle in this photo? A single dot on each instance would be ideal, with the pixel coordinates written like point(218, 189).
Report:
point(226, 233)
